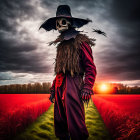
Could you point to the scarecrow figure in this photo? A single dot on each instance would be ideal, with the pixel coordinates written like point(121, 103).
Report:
point(74, 61)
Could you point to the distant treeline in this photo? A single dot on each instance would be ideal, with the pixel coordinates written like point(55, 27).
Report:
point(44, 88)
point(124, 89)
point(26, 88)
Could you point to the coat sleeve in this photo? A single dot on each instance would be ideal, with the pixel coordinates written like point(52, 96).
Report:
point(88, 65)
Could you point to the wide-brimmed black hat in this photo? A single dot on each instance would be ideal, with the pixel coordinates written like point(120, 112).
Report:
point(65, 12)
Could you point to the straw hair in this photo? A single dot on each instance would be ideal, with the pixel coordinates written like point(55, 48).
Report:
point(68, 54)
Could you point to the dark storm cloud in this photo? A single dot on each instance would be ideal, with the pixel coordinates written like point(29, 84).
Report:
point(84, 8)
point(120, 55)
point(12, 10)
point(20, 57)
point(18, 54)
point(123, 58)
point(126, 10)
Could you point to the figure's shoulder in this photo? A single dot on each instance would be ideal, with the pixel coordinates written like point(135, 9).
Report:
point(83, 39)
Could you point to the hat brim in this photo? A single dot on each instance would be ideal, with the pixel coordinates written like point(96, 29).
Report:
point(50, 24)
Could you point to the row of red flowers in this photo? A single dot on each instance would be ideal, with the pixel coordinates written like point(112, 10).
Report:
point(17, 111)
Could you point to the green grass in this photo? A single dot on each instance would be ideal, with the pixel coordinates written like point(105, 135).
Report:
point(94, 123)
point(43, 127)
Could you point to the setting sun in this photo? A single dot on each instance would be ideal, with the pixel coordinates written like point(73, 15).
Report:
point(104, 87)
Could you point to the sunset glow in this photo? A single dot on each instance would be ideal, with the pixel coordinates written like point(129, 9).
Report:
point(103, 87)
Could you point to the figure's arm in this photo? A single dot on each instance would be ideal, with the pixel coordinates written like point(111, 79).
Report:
point(89, 66)
point(52, 91)
point(90, 69)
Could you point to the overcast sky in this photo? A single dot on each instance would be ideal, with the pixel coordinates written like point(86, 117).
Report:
point(26, 57)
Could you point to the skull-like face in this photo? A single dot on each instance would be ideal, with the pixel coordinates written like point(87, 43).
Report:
point(62, 24)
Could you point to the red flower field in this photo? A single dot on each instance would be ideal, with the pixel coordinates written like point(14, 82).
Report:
point(121, 115)
point(17, 111)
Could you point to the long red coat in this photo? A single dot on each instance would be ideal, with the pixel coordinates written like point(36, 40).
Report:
point(69, 114)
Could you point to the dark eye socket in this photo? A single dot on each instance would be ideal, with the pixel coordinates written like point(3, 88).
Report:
point(58, 24)
point(64, 22)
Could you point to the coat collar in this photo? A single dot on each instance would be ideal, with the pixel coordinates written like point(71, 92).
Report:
point(68, 34)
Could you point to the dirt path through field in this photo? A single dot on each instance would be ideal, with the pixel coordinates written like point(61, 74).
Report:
point(43, 127)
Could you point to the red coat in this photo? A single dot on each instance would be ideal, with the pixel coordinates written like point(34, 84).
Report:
point(87, 62)
point(69, 115)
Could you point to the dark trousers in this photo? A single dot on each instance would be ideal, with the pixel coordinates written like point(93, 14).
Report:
point(69, 114)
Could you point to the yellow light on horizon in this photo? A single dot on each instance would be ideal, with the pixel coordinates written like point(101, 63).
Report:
point(104, 87)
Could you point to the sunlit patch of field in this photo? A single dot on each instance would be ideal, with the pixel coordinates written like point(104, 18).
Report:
point(43, 127)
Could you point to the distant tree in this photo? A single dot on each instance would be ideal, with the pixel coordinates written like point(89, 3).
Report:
point(46, 87)
point(26, 88)
point(37, 87)
point(29, 88)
